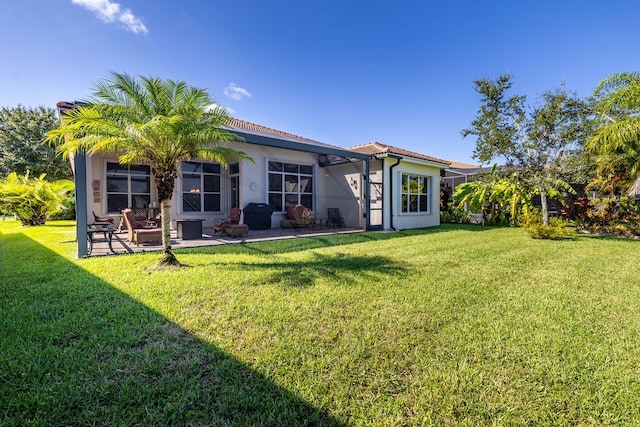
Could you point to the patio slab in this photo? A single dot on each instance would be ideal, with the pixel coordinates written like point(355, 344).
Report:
point(121, 245)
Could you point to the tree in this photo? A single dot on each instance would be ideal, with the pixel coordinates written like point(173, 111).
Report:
point(22, 146)
point(33, 200)
point(534, 141)
point(616, 139)
point(496, 195)
point(150, 120)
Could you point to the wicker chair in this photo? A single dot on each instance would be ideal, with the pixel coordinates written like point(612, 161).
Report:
point(303, 216)
point(137, 232)
point(233, 218)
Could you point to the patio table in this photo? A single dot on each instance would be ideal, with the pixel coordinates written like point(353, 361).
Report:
point(189, 229)
point(106, 229)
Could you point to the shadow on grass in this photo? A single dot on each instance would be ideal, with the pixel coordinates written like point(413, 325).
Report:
point(339, 268)
point(76, 351)
point(608, 237)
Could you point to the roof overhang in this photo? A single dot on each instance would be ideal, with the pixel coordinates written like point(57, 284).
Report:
point(331, 155)
point(457, 172)
point(412, 160)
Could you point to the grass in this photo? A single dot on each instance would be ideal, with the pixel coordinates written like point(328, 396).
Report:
point(457, 325)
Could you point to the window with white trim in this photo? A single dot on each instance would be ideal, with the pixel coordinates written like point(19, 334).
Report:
point(234, 184)
point(200, 187)
point(290, 184)
point(415, 193)
point(128, 186)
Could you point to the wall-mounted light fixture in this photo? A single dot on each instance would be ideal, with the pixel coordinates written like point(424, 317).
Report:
point(354, 183)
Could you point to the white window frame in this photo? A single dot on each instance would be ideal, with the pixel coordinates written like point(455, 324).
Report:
point(234, 193)
point(311, 194)
point(129, 192)
point(406, 194)
point(200, 189)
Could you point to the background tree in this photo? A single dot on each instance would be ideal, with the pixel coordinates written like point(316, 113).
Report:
point(496, 195)
point(616, 139)
point(534, 142)
point(22, 146)
point(150, 120)
point(33, 200)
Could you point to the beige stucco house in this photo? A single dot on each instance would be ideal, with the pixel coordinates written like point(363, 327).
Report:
point(375, 186)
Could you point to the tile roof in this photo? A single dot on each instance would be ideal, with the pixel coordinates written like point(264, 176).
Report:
point(461, 165)
point(375, 148)
point(370, 149)
point(254, 129)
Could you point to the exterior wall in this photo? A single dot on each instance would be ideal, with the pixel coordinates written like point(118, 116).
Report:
point(341, 186)
point(332, 186)
point(393, 216)
point(257, 174)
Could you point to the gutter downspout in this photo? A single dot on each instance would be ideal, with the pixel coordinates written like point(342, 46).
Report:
point(398, 159)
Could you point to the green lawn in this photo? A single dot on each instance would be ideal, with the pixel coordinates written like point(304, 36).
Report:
point(457, 325)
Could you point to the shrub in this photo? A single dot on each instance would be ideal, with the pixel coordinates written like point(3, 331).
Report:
point(608, 215)
point(33, 200)
point(457, 215)
point(68, 210)
point(557, 229)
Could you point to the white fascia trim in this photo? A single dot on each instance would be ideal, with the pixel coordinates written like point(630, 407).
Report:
point(414, 160)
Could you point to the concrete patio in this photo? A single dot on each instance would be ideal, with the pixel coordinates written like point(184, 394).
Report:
point(121, 245)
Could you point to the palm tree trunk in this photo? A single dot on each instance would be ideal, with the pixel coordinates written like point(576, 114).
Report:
point(165, 183)
point(165, 210)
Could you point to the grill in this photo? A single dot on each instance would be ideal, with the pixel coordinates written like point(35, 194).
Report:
point(258, 216)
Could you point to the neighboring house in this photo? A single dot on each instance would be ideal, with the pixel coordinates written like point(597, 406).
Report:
point(288, 170)
point(405, 187)
point(459, 173)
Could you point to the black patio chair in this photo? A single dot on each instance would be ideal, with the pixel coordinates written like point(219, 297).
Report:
point(333, 218)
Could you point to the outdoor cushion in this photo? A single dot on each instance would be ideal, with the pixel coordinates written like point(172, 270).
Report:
point(234, 230)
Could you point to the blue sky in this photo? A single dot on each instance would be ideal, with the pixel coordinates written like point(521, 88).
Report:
point(344, 72)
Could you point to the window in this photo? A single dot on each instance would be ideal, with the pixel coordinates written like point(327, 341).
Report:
point(234, 182)
point(415, 193)
point(128, 187)
point(200, 187)
point(290, 184)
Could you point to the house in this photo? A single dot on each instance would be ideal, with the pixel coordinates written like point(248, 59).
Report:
point(405, 187)
point(288, 170)
point(460, 173)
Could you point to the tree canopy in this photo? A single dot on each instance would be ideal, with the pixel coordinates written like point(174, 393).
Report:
point(533, 141)
point(616, 140)
point(150, 120)
point(22, 146)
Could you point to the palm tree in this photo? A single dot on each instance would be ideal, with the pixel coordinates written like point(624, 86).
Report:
point(33, 200)
point(616, 141)
point(150, 120)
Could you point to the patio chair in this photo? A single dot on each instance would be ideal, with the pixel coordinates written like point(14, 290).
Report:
point(334, 219)
point(137, 231)
point(290, 220)
point(303, 216)
point(141, 214)
point(102, 219)
point(233, 218)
